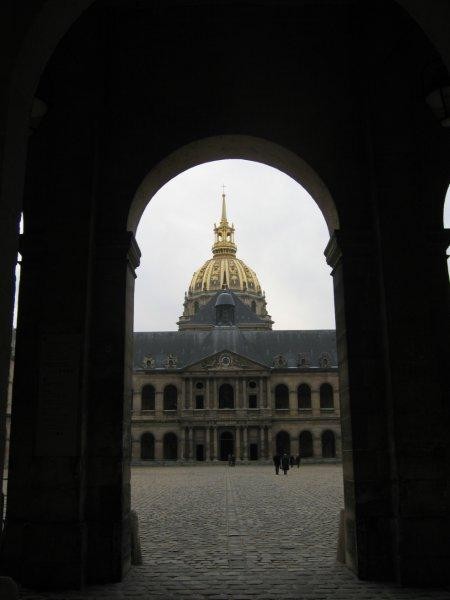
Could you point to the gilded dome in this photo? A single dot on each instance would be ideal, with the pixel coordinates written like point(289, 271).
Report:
point(224, 270)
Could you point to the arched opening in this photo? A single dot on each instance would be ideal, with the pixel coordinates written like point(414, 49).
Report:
point(305, 443)
point(283, 443)
point(170, 397)
point(226, 396)
point(253, 305)
point(328, 444)
point(170, 446)
point(148, 397)
point(281, 397)
point(147, 446)
point(226, 445)
point(304, 396)
point(326, 396)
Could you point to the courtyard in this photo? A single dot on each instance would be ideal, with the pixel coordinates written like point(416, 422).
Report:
point(218, 533)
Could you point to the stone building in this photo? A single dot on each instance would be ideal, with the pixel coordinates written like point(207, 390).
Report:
point(226, 383)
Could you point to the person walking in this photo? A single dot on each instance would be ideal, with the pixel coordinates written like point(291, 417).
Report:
point(285, 463)
point(276, 461)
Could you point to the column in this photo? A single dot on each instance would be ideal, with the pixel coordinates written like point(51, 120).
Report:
point(158, 403)
point(191, 443)
point(215, 403)
point(261, 443)
point(238, 443)
point(315, 400)
point(214, 434)
point(244, 394)
point(294, 444)
point(137, 401)
point(261, 403)
point(208, 403)
point(237, 395)
point(317, 444)
point(158, 447)
point(190, 401)
point(183, 444)
point(245, 443)
point(269, 403)
point(183, 392)
point(293, 405)
point(208, 444)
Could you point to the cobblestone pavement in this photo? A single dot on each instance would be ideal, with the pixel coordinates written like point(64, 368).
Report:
point(222, 533)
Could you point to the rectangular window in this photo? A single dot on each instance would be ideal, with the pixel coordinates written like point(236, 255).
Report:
point(253, 401)
point(199, 402)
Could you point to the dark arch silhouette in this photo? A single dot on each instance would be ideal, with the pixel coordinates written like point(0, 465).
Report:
point(304, 396)
point(170, 446)
point(148, 397)
point(170, 397)
point(283, 442)
point(147, 446)
point(326, 396)
point(226, 396)
point(305, 443)
point(328, 444)
point(281, 397)
point(253, 306)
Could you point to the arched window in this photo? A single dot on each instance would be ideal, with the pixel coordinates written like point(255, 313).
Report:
point(281, 397)
point(283, 442)
point(196, 307)
point(326, 396)
point(304, 396)
point(328, 444)
point(305, 443)
point(147, 446)
point(170, 446)
point(226, 396)
point(148, 397)
point(170, 397)
point(253, 306)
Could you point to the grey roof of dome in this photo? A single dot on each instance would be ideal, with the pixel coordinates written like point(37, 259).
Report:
point(190, 347)
point(225, 299)
point(242, 313)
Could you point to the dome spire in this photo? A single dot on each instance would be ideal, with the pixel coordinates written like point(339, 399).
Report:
point(224, 207)
point(224, 232)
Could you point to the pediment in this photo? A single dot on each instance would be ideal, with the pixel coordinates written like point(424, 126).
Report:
point(225, 361)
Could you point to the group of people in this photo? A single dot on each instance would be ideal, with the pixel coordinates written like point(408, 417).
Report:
point(285, 462)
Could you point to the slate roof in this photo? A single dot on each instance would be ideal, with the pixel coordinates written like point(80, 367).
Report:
point(242, 313)
point(190, 347)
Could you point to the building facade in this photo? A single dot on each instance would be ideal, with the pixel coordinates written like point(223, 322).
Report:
point(227, 384)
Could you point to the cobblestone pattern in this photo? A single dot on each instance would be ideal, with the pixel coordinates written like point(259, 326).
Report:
point(222, 533)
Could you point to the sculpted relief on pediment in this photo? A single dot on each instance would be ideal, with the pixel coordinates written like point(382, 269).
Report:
point(226, 361)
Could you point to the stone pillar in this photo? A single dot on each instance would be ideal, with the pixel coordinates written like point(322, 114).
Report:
point(214, 456)
point(208, 443)
point(190, 401)
point(261, 443)
point(215, 401)
point(191, 444)
point(261, 403)
point(244, 394)
point(159, 404)
point(137, 401)
point(183, 444)
point(237, 398)
point(294, 445)
point(245, 443)
point(208, 403)
point(293, 404)
point(238, 443)
point(317, 444)
point(269, 403)
point(159, 454)
point(315, 402)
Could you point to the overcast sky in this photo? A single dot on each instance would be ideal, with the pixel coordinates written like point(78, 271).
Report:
point(280, 234)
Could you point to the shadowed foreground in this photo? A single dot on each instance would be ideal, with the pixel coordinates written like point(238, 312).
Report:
point(240, 533)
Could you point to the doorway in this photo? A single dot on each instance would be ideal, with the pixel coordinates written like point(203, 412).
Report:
point(226, 444)
point(253, 452)
point(200, 452)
